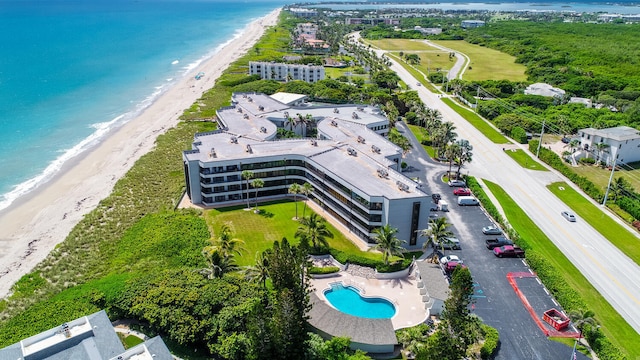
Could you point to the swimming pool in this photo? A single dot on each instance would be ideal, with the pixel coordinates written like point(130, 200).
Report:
point(348, 300)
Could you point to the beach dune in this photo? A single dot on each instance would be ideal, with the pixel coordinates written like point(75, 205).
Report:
point(36, 223)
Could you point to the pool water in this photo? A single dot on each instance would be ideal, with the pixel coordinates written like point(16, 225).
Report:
point(348, 300)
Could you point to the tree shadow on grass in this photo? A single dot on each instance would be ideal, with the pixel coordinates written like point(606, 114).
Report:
point(266, 214)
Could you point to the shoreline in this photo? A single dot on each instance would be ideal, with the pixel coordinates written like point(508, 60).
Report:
point(35, 223)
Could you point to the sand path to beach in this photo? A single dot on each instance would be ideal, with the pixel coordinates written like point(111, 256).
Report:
point(32, 226)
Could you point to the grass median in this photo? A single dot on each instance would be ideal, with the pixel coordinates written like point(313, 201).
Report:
point(479, 123)
point(524, 160)
point(613, 325)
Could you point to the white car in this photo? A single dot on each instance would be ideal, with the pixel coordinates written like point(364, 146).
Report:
point(569, 216)
point(459, 183)
point(491, 230)
point(448, 258)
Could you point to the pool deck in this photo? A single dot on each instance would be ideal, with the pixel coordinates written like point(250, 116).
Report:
point(402, 292)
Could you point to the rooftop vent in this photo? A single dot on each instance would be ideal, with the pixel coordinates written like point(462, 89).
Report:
point(239, 110)
point(261, 108)
point(250, 99)
point(375, 149)
point(354, 115)
point(383, 173)
point(263, 129)
point(402, 186)
point(64, 329)
point(352, 152)
point(244, 96)
point(234, 140)
point(248, 149)
point(212, 153)
point(334, 123)
point(314, 143)
point(361, 139)
point(246, 116)
point(336, 111)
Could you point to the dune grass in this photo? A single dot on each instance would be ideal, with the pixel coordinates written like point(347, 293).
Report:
point(524, 160)
point(486, 63)
point(617, 330)
point(479, 123)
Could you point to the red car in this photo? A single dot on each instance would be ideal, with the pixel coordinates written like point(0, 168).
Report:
point(462, 192)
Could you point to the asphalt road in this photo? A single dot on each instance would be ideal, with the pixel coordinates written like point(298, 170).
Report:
point(495, 300)
point(610, 271)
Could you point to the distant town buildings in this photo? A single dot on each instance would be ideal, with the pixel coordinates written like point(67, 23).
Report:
point(304, 12)
point(90, 337)
point(355, 172)
point(371, 21)
point(470, 24)
point(543, 89)
point(623, 17)
point(306, 37)
point(622, 143)
point(286, 72)
point(428, 31)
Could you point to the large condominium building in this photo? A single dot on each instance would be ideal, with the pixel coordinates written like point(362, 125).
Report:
point(285, 72)
point(353, 169)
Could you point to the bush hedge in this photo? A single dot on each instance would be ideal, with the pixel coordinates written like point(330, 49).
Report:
point(491, 340)
point(344, 258)
point(519, 134)
point(323, 270)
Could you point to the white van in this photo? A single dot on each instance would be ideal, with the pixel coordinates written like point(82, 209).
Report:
point(467, 201)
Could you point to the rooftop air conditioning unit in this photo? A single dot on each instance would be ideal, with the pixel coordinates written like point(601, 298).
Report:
point(261, 108)
point(263, 129)
point(246, 116)
point(336, 111)
point(314, 143)
point(334, 123)
point(248, 149)
point(361, 139)
point(360, 108)
point(234, 140)
point(383, 173)
point(250, 99)
point(375, 149)
point(212, 153)
point(352, 152)
point(354, 115)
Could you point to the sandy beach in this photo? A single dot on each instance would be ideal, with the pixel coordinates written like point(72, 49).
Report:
point(32, 226)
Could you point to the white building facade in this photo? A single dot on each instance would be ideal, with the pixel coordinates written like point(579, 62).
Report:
point(286, 72)
point(622, 143)
point(353, 170)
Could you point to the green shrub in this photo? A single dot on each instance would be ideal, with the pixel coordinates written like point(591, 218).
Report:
point(491, 339)
point(324, 270)
point(587, 161)
point(518, 134)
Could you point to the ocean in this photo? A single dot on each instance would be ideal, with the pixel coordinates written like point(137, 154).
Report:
point(72, 70)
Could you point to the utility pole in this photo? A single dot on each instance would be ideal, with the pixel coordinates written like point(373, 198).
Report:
point(477, 96)
point(613, 169)
point(540, 142)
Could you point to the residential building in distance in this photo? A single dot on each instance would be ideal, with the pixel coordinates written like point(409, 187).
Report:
point(371, 21)
point(428, 31)
point(90, 337)
point(470, 24)
point(354, 170)
point(543, 89)
point(303, 12)
point(623, 144)
point(286, 72)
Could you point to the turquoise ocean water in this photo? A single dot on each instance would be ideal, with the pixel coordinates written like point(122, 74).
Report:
point(71, 70)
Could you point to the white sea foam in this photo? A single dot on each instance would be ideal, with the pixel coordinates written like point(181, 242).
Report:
point(174, 62)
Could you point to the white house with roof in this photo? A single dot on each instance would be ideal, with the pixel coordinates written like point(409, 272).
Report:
point(353, 169)
point(543, 89)
point(623, 144)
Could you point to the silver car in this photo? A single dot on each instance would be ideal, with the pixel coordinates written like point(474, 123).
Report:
point(458, 183)
point(491, 230)
point(569, 216)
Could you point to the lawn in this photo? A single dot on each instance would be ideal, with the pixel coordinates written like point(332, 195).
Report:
point(259, 231)
point(525, 160)
point(479, 123)
point(417, 132)
point(415, 73)
point(618, 235)
point(335, 73)
point(486, 64)
point(618, 331)
point(600, 176)
point(401, 45)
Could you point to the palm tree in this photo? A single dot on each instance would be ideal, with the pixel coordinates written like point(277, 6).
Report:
point(220, 254)
point(451, 152)
point(464, 154)
point(226, 243)
point(257, 184)
point(387, 242)
point(306, 190)
point(437, 233)
point(314, 229)
point(620, 186)
point(573, 145)
point(260, 271)
point(295, 189)
point(581, 318)
point(247, 175)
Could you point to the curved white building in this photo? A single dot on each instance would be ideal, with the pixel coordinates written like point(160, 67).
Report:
point(352, 168)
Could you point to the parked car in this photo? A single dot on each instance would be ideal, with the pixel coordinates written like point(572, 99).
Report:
point(448, 258)
point(450, 244)
point(450, 266)
point(508, 251)
point(491, 230)
point(497, 242)
point(569, 216)
point(462, 192)
point(467, 201)
point(566, 140)
point(459, 183)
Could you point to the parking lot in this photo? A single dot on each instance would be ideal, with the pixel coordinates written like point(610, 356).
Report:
point(495, 300)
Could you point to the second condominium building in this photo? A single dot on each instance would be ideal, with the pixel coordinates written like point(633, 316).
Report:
point(353, 169)
point(286, 72)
